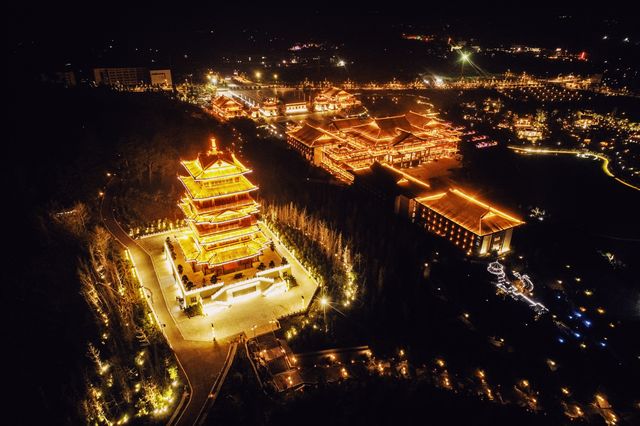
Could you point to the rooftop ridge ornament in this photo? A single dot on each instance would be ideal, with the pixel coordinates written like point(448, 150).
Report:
point(214, 147)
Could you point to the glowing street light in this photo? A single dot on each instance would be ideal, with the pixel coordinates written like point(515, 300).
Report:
point(342, 63)
point(464, 58)
point(324, 302)
point(258, 75)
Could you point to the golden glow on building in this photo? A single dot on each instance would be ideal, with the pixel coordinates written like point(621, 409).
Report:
point(345, 145)
point(473, 225)
point(220, 212)
point(225, 107)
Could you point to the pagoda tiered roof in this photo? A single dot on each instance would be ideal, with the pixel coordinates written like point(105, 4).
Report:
point(193, 252)
point(228, 235)
point(199, 191)
point(217, 214)
point(214, 165)
point(221, 231)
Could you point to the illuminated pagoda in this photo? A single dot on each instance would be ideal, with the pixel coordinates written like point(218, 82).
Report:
point(221, 214)
point(221, 258)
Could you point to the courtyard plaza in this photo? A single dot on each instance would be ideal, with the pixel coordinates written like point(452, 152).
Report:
point(252, 315)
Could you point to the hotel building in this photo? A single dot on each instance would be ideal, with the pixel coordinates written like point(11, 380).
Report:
point(441, 207)
point(477, 228)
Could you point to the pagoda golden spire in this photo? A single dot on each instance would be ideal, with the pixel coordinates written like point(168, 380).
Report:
point(214, 147)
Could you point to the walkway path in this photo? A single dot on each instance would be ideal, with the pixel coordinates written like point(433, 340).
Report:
point(200, 361)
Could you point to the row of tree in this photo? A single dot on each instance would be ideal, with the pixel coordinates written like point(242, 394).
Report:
point(134, 372)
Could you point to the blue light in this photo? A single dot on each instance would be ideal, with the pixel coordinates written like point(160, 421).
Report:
point(603, 344)
point(560, 339)
point(587, 323)
point(578, 335)
point(558, 297)
point(570, 316)
point(578, 314)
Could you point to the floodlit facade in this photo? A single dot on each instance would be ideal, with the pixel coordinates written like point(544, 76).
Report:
point(333, 99)
point(441, 207)
point(129, 76)
point(216, 258)
point(161, 78)
point(476, 227)
point(225, 107)
point(344, 145)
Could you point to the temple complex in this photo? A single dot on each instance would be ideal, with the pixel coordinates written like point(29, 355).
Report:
point(345, 145)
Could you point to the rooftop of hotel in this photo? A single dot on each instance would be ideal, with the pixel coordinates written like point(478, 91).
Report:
point(469, 212)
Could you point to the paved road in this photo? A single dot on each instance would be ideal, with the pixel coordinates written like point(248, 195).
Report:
point(200, 361)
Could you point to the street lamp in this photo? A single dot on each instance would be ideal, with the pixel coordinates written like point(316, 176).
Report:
point(464, 58)
point(324, 302)
point(258, 75)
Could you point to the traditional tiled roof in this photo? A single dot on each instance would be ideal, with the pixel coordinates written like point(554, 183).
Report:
point(214, 164)
point(312, 136)
point(222, 255)
point(224, 102)
point(198, 191)
point(469, 212)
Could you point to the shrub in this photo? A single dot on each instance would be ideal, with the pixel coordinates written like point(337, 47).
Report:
point(193, 310)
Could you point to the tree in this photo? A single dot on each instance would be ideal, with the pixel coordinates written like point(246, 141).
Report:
point(284, 260)
point(214, 279)
point(272, 264)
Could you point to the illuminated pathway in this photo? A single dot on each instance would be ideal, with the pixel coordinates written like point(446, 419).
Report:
point(605, 160)
point(200, 361)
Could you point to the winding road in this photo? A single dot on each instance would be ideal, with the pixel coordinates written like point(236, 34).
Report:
point(201, 362)
point(605, 160)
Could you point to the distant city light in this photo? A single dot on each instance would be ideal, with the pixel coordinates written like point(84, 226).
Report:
point(341, 63)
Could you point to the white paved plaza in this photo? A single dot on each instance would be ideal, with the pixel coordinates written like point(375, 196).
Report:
point(253, 315)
